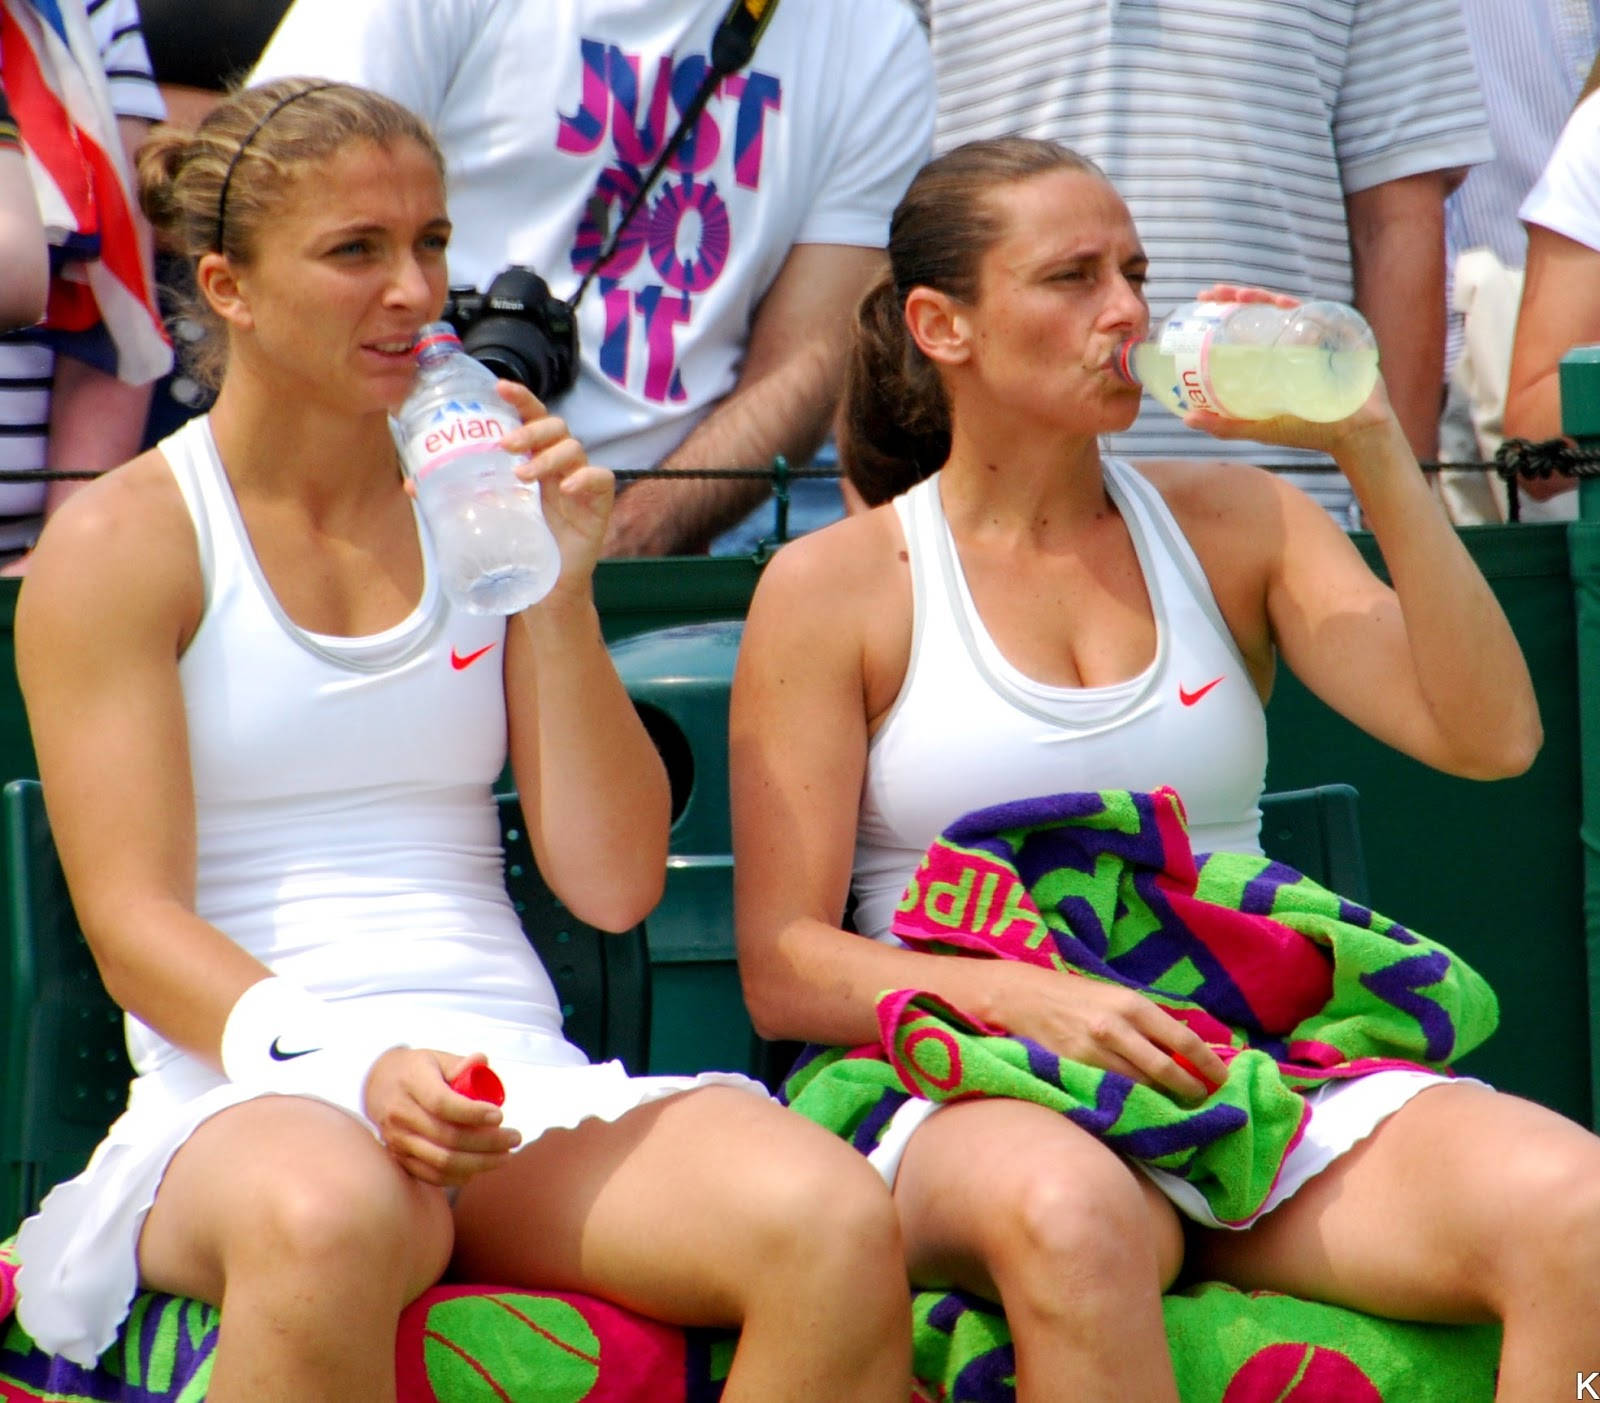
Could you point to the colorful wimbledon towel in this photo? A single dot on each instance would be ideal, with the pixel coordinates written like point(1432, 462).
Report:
point(102, 307)
point(1293, 985)
point(489, 1345)
point(455, 1344)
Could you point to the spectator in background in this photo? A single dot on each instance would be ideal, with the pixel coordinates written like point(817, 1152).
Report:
point(1303, 148)
point(62, 403)
point(716, 335)
point(196, 57)
point(1532, 56)
point(1560, 305)
point(22, 249)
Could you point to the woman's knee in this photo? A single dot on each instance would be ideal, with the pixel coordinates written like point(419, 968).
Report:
point(1091, 1221)
point(357, 1217)
point(1551, 1229)
point(819, 1201)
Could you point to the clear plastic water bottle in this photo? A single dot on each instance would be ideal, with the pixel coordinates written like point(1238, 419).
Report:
point(1252, 360)
point(494, 551)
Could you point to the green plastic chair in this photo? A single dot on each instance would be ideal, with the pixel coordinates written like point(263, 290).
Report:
point(65, 1072)
point(1317, 832)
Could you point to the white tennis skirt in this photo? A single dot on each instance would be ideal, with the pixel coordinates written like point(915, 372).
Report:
point(78, 1256)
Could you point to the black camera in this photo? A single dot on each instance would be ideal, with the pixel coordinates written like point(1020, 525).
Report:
point(519, 329)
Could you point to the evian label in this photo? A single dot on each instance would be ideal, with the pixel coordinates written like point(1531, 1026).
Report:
point(459, 425)
point(1188, 341)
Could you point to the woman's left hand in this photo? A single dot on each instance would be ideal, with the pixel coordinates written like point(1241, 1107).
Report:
point(575, 494)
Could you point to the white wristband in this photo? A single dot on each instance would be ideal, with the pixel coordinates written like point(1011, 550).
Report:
point(280, 1038)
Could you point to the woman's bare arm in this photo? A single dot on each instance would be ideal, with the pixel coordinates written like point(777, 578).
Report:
point(100, 625)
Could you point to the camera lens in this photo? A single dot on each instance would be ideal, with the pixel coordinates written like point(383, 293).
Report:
point(523, 333)
point(515, 351)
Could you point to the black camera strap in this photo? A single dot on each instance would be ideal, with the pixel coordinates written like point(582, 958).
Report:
point(732, 46)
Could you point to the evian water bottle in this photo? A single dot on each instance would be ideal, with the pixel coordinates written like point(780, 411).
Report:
point(494, 551)
point(1252, 360)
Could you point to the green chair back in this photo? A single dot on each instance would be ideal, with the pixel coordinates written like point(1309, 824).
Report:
point(65, 1072)
point(65, 1077)
point(1318, 832)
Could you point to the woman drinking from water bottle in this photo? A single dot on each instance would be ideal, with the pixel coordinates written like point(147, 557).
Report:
point(267, 743)
point(1022, 616)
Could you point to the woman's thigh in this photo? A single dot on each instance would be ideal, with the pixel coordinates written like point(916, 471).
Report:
point(1423, 1218)
point(288, 1175)
point(984, 1179)
point(673, 1209)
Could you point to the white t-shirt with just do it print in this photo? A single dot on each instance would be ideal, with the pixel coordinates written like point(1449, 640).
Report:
point(550, 114)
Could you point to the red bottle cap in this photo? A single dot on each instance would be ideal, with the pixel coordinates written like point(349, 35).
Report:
point(481, 1084)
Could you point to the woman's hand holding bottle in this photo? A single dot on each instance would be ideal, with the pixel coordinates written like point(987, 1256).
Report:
point(1246, 363)
point(575, 494)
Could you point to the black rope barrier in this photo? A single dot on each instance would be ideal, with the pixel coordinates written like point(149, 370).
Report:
point(1517, 457)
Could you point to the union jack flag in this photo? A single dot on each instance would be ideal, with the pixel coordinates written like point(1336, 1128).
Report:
point(102, 306)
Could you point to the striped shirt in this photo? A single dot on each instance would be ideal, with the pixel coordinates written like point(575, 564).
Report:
point(1532, 56)
point(1233, 128)
point(27, 368)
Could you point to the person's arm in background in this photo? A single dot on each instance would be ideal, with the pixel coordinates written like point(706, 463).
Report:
point(96, 420)
point(793, 369)
point(1560, 309)
point(1398, 262)
point(783, 402)
point(1408, 121)
point(24, 256)
point(1560, 305)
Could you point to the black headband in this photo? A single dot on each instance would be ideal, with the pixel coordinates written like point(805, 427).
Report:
point(233, 163)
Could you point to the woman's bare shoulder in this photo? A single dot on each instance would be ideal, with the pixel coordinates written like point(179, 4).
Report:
point(839, 597)
point(1215, 485)
point(1234, 509)
point(842, 565)
point(124, 541)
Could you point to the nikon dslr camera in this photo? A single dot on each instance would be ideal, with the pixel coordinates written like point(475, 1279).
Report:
point(519, 329)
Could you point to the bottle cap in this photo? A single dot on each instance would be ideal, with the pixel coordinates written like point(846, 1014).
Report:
point(435, 337)
point(479, 1083)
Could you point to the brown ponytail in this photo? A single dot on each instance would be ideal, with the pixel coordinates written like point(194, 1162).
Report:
point(894, 429)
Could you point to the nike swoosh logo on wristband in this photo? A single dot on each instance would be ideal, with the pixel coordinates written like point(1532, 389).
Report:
point(277, 1054)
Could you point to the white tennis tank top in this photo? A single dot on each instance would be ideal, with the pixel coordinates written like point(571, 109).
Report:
point(346, 832)
point(968, 729)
